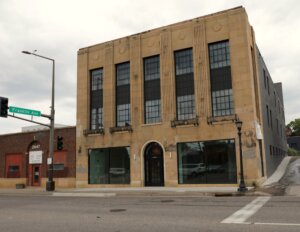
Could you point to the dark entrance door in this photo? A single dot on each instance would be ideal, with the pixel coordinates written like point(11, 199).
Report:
point(36, 175)
point(154, 165)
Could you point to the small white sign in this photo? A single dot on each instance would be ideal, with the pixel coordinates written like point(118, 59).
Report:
point(259, 135)
point(49, 160)
point(35, 157)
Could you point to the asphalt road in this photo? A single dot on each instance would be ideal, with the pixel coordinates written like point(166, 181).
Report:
point(116, 214)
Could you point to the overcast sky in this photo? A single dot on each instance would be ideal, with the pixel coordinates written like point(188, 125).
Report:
point(58, 28)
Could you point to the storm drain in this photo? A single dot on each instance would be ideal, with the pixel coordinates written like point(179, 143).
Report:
point(117, 210)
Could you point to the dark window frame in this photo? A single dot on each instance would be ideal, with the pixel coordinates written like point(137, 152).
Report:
point(152, 92)
point(123, 105)
point(268, 117)
point(184, 84)
point(265, 78)
point(96, 99)
point(268, 83)
point(220, 78)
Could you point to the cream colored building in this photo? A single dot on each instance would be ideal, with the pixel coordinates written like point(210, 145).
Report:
point(158, 108)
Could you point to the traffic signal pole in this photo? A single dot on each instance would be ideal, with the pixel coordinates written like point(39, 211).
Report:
point(50, 185)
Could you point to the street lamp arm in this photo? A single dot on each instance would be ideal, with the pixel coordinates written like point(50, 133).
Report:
point(34, 54)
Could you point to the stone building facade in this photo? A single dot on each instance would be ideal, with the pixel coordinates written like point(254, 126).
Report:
point(23, 158)
point(159, 108)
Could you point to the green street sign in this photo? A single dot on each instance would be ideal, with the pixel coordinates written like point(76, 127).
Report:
point(13, 109)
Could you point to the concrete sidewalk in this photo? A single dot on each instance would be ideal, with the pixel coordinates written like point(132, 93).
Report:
point(279, 173)
point(131, 191)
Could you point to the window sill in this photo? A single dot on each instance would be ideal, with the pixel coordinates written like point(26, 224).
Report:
point(152, 124)
point(93, 132)
point(120, 129)
point(192, 121)
point(221, 119)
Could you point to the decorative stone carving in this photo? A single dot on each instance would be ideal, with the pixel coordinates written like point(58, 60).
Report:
point(217, 26)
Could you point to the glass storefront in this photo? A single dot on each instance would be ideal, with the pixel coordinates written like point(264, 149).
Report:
point(109, 165)
point(210, 162)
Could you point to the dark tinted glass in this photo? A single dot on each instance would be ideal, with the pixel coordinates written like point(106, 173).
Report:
point(109, 165)
point(207, 162)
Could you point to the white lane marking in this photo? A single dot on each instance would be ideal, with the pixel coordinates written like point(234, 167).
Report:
point(83, 194)
point(276, 224)
point(247, 211)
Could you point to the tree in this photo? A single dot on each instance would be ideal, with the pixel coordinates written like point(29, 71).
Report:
point(295, 127)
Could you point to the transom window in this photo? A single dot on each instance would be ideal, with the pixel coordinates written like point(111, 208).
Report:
point(184, 61)
point(219, 55)
point(97, 79)
point(123, 74)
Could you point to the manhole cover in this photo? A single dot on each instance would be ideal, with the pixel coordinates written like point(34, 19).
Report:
point(117, 210)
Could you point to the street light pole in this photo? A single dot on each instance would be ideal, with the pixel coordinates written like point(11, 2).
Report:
point(50, 185)
point(242, 187)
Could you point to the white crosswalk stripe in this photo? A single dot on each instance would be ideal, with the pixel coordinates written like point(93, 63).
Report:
point(240, 216)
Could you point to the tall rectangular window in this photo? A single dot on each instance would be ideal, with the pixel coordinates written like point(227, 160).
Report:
point(268, 117)
point(268, 83)
point(271, 120)
point(123, 94)
point(152, 102)
point(184, 71)
point(265, 79)
point(96, 96)
point(220, 76)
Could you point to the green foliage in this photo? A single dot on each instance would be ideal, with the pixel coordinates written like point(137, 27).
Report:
point(293, 152)
point(295, 127)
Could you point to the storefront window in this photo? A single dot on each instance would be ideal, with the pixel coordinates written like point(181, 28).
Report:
point(109, 166)
point(208, 162)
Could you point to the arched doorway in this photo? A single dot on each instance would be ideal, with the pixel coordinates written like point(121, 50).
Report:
point(154, 165)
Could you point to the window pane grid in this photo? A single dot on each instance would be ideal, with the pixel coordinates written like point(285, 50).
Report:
point(152, 111)
point(123, 114)
point(97, 79)
point(123, 74)
point(184, 62)
point(219, 55)
point(222, 102)
point(151, 68)
point(185, 107)
point(97, 118)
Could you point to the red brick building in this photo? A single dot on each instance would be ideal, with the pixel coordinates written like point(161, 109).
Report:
point(23, 158)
